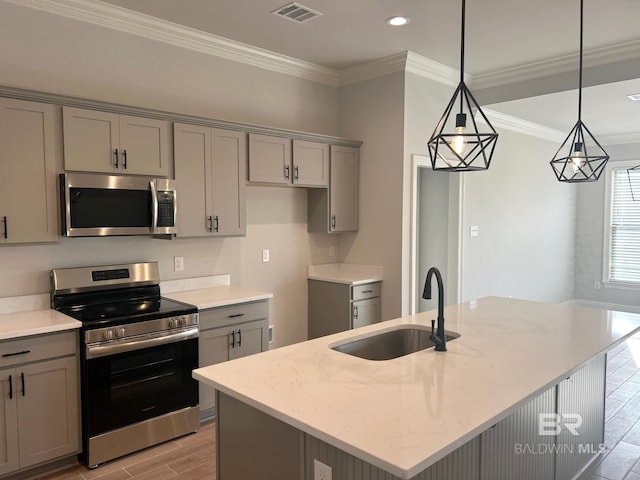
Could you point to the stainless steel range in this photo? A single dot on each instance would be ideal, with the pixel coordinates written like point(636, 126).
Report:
point(138, 350)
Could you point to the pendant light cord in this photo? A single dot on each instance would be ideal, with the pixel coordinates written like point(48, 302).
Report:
point(580, 68)
point(462, 53)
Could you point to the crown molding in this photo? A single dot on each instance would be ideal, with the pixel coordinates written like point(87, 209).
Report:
point(128, 21)
point(553, 66)
point(374, 69)
point(427, 68)
point(619, 139)
point(515, 124)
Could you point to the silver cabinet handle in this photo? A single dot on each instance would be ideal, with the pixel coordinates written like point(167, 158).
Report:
point(286, 172)
point(367, 291)
point(333, 221)
point(295, 174)
point(355, 312)
point(210, 220)
point(216, 224)
point(154, 205)
point(115, 158)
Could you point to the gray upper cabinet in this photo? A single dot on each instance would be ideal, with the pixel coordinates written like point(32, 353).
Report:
point(336, 209)
point(310, 164)
point(28, 162)
point(269, 159)
point(282, 161)
point(110, 143)
point(343, 191)
point(210, 172)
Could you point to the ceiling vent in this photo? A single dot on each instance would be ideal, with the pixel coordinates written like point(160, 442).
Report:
point(296, 13)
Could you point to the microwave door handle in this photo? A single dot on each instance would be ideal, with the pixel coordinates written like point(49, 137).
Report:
point(154, 206)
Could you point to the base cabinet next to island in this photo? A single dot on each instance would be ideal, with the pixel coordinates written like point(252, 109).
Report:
point(227, 333)
point(518, 446)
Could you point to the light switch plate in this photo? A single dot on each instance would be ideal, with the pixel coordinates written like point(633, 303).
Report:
point(474, 230)
point(265, 255)
point(178, 264)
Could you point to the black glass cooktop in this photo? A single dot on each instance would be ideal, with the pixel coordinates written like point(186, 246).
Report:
point(99, 309)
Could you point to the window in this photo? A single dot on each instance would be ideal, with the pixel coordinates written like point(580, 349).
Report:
point(622, 240)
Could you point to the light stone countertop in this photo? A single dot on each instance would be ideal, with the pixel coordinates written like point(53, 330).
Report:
point(35, 322)
point(345, 273)
point(219, 296)
point(404, 414)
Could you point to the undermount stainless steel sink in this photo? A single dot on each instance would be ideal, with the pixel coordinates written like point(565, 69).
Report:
point(392, 344)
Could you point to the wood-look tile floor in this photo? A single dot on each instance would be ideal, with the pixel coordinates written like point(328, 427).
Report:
point(192, 457)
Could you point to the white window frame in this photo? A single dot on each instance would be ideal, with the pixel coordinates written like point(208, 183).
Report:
point(606, 257)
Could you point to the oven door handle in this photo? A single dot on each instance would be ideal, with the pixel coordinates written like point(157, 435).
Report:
point(95, 351)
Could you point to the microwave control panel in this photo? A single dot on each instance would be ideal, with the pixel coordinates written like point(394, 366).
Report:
point(166, 209)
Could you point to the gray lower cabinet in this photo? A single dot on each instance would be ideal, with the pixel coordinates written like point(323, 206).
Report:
point(227, 333)
point(336, 307)
point(40, 401)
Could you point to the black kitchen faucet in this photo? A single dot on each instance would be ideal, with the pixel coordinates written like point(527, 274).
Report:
point(439, 338)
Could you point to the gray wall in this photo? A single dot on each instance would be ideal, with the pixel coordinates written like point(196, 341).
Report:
point(590, 236)
point(425, 102)
point(526, 218)
point(373, 112)
point(55, 54)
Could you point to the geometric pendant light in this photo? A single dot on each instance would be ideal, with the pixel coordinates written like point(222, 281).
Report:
point(580, 158)
point(458, 143)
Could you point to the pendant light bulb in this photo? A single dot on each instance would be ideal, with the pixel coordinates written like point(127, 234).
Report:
point(459, 142)
point(577, 158)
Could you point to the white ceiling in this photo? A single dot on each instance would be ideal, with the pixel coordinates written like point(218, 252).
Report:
point(500, 34)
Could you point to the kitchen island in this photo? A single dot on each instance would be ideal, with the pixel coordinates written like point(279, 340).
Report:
point(428, 414)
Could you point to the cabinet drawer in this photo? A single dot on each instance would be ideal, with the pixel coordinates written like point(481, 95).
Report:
point(31, 349)
point(368, 290)
point(240, 313)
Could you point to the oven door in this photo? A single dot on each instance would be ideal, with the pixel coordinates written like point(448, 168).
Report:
point(133, 386)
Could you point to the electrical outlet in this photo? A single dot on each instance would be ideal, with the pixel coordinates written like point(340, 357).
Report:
point(597, 285)
point(265, 255)
point(270, 334)
point(321, 471)
point(178, 264)
point(474, 230)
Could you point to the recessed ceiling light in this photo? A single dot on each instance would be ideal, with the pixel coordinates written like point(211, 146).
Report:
point(635, 97)
point(397, 21)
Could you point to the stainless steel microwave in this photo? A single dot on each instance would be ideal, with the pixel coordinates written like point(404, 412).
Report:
point(96, 205)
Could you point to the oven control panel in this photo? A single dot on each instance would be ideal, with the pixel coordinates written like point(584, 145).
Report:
point(159, 325)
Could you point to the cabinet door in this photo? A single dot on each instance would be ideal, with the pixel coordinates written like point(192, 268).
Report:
point(250, 338)
point(90, 140)
point(310, 164)
point(192, 153)
point(28, 159)
point(229, 160)
point(343, 189)
point(145, 146)
point(269, 159)
point(213, 347)
point(365, 312)
point(9, 460)
point(48, 410)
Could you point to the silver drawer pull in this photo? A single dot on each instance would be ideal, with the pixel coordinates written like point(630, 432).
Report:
point(236, 315)
point(367, 291)
point(23, 352)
